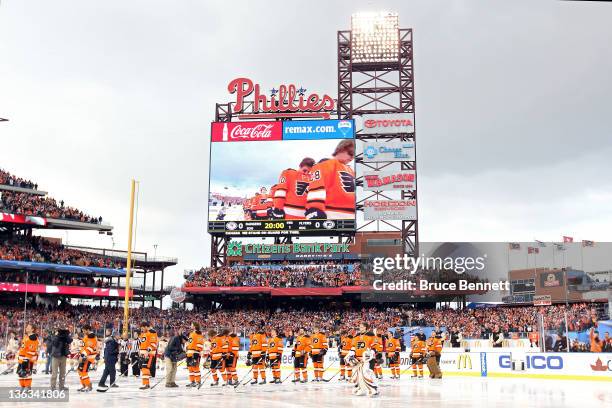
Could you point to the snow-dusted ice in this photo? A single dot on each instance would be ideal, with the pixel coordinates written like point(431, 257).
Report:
point(453, 392)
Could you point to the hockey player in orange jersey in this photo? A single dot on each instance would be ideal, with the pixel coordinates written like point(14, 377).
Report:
point(218, 350)
point(318, 349)
point(27, 357)
point(331, 193)
point(291, 192)
point(379, 348)
point(147, 351)
point(365, 340)
point(274, 355)
point(344, 348)
point(195, 345)
point(257, 355)
point(301, 346)
point(417, 354)
point(261, 204)
point(392, 349)
point(88, 352)
point(231, 360)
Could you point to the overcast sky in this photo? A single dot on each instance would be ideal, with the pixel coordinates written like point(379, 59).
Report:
point(513, 107)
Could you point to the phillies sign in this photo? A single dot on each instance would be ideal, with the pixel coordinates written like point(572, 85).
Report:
point(246, 131)
point(389, 180)
point(286, 101)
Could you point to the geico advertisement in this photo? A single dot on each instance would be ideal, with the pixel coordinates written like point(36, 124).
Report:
point(564, 364)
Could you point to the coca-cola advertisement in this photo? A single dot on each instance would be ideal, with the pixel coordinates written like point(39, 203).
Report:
point(299, 175)
point(246, 131)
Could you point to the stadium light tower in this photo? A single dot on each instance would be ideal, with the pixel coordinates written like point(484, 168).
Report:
point(376, 81)
point(374, 37)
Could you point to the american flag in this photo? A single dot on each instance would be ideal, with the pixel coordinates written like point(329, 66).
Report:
point(567, 240)
point(587, 243)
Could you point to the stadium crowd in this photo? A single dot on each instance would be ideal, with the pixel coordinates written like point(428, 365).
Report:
point(327, 274)
point(38, 249)
point(30, 204)
point(46, 278)
point(472, 323)
point(8, 179)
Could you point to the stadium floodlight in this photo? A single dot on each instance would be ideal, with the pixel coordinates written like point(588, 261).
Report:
point(374, 37)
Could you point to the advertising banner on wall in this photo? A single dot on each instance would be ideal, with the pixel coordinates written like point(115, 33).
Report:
point(389, 210)
point(389, 180)
point(387, 123)
point(551, 279)
point(388, 151)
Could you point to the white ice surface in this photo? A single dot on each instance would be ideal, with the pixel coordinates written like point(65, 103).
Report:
point(455, 392)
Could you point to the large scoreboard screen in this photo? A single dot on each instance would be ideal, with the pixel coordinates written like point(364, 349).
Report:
point(282, 178)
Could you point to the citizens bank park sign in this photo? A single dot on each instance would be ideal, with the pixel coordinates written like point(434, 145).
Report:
point(389, 180)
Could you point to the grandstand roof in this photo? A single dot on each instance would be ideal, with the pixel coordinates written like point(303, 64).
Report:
point(42, 266)
point(31, 221)
point(140, 259)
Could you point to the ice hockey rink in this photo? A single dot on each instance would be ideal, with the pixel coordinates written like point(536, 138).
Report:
point(452, 391)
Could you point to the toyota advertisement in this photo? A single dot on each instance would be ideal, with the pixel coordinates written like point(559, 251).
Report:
point(387, 123)
point(282, 178)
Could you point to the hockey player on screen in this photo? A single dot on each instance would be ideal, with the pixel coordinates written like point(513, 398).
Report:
point(147, 351)
point(318, 347)
point(89, 351)
point(261, 204)
point(291, 192)
point(331, 193)
point(27, 357)
point(274, 355)
point(195, 345)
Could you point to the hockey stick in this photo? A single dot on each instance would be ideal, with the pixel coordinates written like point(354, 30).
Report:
point(243, 378)
point(164, 377)
point(203, 380)
point(116, 378)
point(9, 369)
point(324, 370)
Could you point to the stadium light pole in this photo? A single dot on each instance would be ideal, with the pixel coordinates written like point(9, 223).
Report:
point(128, 269)
point(375, 37)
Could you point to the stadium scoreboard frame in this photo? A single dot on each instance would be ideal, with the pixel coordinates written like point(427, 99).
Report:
point(287, 138)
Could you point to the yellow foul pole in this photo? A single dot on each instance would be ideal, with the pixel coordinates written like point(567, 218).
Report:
point(128, 273)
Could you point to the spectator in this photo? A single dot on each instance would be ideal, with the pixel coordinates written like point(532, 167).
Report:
point(174, 353)
point(111, 354)
point(60, 348)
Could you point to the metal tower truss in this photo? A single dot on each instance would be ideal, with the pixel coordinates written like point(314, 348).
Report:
point(379, 88)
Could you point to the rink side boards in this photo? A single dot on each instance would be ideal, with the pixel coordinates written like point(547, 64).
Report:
point(487, 363)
